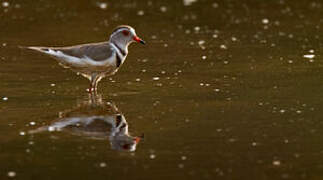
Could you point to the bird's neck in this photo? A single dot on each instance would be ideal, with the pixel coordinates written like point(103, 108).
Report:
point(121, 46)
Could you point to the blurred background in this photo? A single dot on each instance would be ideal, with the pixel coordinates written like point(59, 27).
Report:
point(227, 89)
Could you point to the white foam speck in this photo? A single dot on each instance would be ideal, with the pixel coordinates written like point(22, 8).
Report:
point(215, 5)
point(155, 78)
point(103, 5)
point(140, 13)
point(5, 98)
point(11, 174)
point(223, 46)
point(201, 42)
point(153, 37)
point(309, 56)
point(232, 139)
point(265, 21)
point(152, 156)
point(188, 2)
point(276, 163)
point(22, 133)
point(103, 164)
point(5, 4)
point(163, 8)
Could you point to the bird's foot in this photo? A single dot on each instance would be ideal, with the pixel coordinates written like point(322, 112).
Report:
point(91, 90)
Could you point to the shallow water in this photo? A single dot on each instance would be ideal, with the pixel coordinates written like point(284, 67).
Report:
point(222, 90)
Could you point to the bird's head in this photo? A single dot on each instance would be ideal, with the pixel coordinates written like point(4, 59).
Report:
point(124, 35)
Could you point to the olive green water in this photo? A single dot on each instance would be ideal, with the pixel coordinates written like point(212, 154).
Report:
point(222, 90)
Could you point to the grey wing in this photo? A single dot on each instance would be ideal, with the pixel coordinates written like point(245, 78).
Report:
point(99, 52)
point(96, 52)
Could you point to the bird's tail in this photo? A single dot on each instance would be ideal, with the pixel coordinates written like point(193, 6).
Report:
point(38, 130)
point(36, 48)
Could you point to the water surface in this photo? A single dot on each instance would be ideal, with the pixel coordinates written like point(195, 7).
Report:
point(222, 90)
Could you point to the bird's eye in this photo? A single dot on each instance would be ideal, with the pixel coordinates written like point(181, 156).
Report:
point(125, 32)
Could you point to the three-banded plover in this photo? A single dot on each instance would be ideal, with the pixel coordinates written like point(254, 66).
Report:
point(96, 60)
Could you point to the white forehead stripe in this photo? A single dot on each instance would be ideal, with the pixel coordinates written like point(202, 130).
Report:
point(132, 31)
point(124, 28)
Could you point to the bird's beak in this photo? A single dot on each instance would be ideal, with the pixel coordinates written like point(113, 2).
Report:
point(136, 38)
point(137, 139)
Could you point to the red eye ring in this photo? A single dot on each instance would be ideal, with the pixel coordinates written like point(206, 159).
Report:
point(125, 32)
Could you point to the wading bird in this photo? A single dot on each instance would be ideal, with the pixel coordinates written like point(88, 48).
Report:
point(96, 60)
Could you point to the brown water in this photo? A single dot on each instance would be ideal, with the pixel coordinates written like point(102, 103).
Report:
point(222, 90)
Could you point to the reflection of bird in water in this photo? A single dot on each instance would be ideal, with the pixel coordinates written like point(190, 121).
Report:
point(95, 119)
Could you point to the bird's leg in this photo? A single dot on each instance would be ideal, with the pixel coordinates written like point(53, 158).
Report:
point(90, 88)
point(94, 83)
point(98, 79)
point(94, 80)
point(94, 89)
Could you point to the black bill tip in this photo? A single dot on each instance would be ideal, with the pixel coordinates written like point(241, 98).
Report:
point(142, 41)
